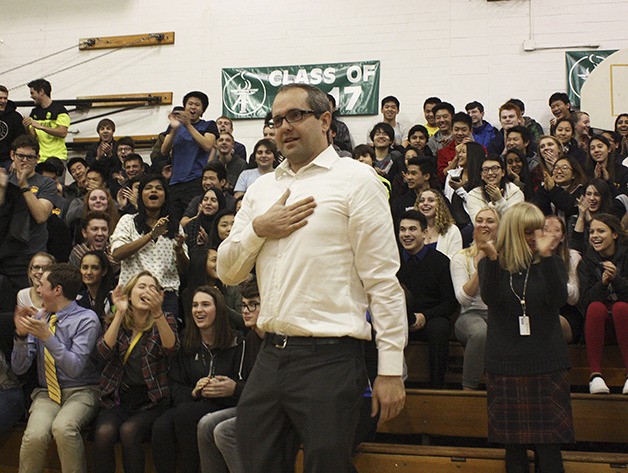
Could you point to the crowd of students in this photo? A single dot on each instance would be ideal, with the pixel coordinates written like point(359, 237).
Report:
point(114, 275)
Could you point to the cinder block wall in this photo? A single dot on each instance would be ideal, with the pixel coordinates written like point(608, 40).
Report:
point(460, 50)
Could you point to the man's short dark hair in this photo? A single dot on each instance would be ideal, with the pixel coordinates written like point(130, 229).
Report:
point(71, 162)
point(522, 130)
point(316, 99)
point(425, 164)
point(4, 89)
point(363, 150)
point(25, 141)
point(332, 100)
point(420, 129)
point(199, 95)
point(218, 168)
point(444, 106)
point(462, 117)
point(416, 216)
point(133, 157)
point(96, 215)
point(126, 141)
point(66, 276)
point(390, 98)
point(268, 118)
point(474, 104)
point(431, 101)
point(104, 174)
point(41, 168)
point(386, 128)
point(249, 289)
point(52, 164)
point(129, 183)
point(104, 122)
point(520, 104)
point(616, 137)
point(559, 97)
point(41, 85)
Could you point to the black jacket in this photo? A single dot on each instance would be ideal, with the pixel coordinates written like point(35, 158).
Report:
point(590, 278)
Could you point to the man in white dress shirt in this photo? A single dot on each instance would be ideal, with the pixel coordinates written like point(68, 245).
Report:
point(319, 231)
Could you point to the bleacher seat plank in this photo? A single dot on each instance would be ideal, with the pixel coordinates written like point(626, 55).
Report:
point(382, 458)
point(416, 354)
point(597, 418)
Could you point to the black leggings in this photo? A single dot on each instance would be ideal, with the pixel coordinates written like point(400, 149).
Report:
point(548, 458)
point(174, 435)
point(132, 428)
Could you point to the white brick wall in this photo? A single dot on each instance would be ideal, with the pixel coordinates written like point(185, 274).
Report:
point(460, 50)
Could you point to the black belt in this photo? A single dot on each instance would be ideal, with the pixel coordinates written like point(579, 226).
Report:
point(280, 341)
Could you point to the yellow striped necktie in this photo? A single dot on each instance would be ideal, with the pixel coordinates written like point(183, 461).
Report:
point(54, 391)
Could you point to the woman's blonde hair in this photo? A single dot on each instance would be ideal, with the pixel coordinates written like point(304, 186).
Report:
point(514, 252)
point(41, 254)
point(129, 322)
point(472, 250)
point(442, 217)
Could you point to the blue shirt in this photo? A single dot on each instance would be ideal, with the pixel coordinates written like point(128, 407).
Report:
point(419, 255)
point(188, 158)
point(76, 334)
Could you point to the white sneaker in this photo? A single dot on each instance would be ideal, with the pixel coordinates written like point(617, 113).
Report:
point(625, 390)
point(598, 386)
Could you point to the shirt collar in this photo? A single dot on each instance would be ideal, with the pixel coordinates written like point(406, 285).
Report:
point(325, 159)
point(416, 257)
point(66, 311)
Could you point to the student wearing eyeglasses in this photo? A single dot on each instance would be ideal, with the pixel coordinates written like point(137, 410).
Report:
point(31, 197)
point(492, 188)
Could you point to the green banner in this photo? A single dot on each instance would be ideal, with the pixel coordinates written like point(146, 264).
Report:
point(579, 66)
point(248, 92)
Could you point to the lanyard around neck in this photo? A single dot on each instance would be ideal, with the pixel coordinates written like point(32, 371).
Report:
point(136, 339)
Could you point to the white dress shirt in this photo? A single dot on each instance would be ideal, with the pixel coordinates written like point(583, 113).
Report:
point(319, 280)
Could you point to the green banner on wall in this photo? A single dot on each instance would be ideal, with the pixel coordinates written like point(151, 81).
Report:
point(248, 92)
point(579, 66)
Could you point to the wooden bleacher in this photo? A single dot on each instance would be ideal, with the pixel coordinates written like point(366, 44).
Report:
point(612, 365)
point(449, 413)
point(141, 142)
point(378, 458)
point(434, 416)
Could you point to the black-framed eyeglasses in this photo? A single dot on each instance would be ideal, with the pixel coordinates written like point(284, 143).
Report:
point(37, 267)
point(494, 169)
point(293, 116)
point(250, 307)
point(563, 168)
point(25, 157)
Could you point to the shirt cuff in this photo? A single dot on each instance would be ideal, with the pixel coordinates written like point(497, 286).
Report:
point(390, 363)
